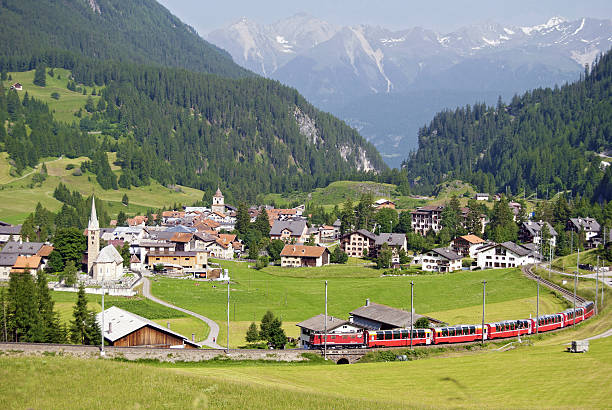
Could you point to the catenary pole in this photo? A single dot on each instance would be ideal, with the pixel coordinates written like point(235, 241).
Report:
point(484, 290)
point(575, 284)
point(325, 334)
point(102, 353)
point(597, 284)
point(228, 313)
point(411, 310)
point(538, 307)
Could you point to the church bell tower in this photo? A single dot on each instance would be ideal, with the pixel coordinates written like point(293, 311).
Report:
point(93, 238)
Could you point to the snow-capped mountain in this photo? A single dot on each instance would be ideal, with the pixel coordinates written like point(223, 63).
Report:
point(350, 70)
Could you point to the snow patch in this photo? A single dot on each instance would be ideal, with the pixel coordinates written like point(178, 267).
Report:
point(504, 38)
point(552, 23)
point(491, 42)
point(579, 28)
point(508, 31)
point(443, 40)
point(392, 40)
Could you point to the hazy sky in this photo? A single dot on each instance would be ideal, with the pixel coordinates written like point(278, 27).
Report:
point(440, 15)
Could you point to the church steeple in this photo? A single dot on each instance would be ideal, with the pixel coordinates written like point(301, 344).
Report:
point(93, 219)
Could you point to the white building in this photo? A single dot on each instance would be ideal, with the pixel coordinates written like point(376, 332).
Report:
point(505, 255)
point(439, 260)
point(108, 265)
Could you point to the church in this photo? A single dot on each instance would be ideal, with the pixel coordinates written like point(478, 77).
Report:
point(105, 264)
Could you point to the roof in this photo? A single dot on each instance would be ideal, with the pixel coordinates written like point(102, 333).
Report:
point(588, 224)
point(10, 229)
point(8, 259)
point(109, 254)
point(218, 194)
point(384, 201)
point(295, 227)
point(393, 239)
point(534, 228)
point(385, 314)
point(124, 323)
point(93, 218)
point(182, 237)
point(45, 251)
point(317, 323)
point(134, 259)
point(182, 254)
point(473, 239)
point(303, 251)
point(428, 209)
point(27, 262)
point(363, 232)
point(448, 254)
point(22, 248)
point(227, 237)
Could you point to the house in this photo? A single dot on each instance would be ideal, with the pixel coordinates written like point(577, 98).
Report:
point(17, 87)
point(135, 263)
point(374, 316)
point(7, 261)
point(505, 255)
point(589, 226)
point(22, 248)
point(531, 231)
point(9, 233)
point(125, 329)
point(481, 197)
point(439, 260)
point(282, 214)
point(359, 243)
point(465, 245)
point(304, 256)
point(337, 225)
point(27, 263)
point(384, 203)
point(427, 218)
point(108, 265)
point(179, 262)
point(515, 207)
point(395, 241)
point(220, 249)
point(317, 325)
point(289, 231)
point(314, 234)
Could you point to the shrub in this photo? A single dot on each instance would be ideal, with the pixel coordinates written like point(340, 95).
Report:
point(77, 172)
point(70, 166)
point(55, 95)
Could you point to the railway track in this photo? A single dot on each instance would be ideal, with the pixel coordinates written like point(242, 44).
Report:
point(569, 295)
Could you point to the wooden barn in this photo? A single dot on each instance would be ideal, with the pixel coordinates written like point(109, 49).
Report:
point(125, 329)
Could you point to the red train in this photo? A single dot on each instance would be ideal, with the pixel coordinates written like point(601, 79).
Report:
point(452, 334)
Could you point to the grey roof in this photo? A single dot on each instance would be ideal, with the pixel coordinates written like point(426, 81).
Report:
point(517, 249)
point(337, 223)
point(393, 239)
point(385, 314)
point(363, 232)
point(181, 229)
point(109, 254)
point(22, 248)
point(10, 229)
point(296, 227)
point(317, 323)
point(448, 254)
point(534, 228)
point(8, 259)
point(123, 323)
point(587, 224)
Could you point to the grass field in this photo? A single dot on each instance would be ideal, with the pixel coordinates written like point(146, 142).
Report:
point(568, 263)
point(18, 199)
point(69, 102)
point(294, 297)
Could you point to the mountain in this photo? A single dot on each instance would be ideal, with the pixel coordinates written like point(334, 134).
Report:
point(141, 31)
point(214, 124)
point(374, 78)
point(545, 140)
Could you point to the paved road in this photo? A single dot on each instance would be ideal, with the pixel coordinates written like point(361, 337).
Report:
point(214, 327)
point(605, 277)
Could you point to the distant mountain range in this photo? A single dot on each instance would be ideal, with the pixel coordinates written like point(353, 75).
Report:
point(388, 84)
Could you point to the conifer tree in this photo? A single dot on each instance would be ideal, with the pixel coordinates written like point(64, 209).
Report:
point(40, 75)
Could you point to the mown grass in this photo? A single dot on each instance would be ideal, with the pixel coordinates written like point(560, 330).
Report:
point(568, 263)
point(298, 298)
point(69, 102)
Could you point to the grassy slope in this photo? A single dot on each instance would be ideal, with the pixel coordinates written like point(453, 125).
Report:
point(297, 298)
point(17, 199)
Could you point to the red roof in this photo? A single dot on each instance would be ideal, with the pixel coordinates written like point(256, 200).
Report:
point(303, 251)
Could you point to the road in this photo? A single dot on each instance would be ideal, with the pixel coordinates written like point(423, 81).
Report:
point(214, 327)
point(36, 169)
point(605, 277)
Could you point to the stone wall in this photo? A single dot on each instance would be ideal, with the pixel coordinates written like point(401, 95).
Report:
point(135, 353)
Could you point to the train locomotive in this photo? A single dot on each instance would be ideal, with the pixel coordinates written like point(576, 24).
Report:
point(451, 334)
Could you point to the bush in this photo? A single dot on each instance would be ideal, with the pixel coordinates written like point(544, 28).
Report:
point(262, 262)
point(70, 166)
point(77, 172)
point(55, 96)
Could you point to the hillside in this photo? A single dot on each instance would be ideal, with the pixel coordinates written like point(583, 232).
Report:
point(545, 140)
point(250, 135)
point(141, 31)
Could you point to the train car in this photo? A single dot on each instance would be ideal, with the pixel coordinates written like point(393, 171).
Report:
point(510, 328)
point(338, 340)
point(589, 309)
point(398, 337)
point(458, 334)
point(569, 316)
point(549, 322)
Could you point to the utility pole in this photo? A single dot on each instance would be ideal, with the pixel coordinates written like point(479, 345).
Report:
point(575, 285)
point(484, 290)
point(325, 335)
point(597, 284)
point(538, 307)
point(102, 353)
point(228, 311)
point(411, 310)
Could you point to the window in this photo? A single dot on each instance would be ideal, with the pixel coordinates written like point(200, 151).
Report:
point(396, 334)
point(388, 335)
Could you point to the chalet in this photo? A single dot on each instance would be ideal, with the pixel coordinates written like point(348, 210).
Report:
point(589, 226)
point(439, 260)
point(289, 231)
point(395, 241)
point(466, 245)
point(138, 220)
point(179, 262)
point(220, 248)
point(327, 232)
point(182, 241)
point(126, 329)
point(481, 197)
point(9, 233)
point(427, 218)
point(531, 232)
point(515, 207)
point(505, 255)
point(24, 264)
point(282, 214)
point(7, 261)
point(374, 316)
point(337, 225)
point(22, 248)
point(359, 243)
point(17, 87)
point(135, 263)
point(384, 203)
point(317, 325)
point(314, 234)
point(304, 256)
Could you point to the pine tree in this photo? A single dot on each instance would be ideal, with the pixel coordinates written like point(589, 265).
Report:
point(125, 200)
point(347, 218)
point(252, 335)
point(24, 320)
point(262, 223)
point(78, 326)
point(40, 75)
point(502, 227)
point(243, 220)
point(49, 317)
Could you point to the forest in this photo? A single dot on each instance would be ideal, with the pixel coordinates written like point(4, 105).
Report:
point(545, 140)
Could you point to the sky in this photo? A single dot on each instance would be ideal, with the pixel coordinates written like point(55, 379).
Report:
point(440, 15)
